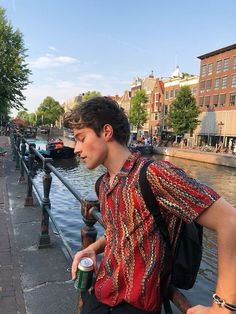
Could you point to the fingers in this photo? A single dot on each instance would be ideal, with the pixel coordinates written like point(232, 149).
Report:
point(75, 265)
point(199, 309)
point(78, 256)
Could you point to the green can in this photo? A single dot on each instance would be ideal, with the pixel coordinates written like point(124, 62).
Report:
point(84, 274)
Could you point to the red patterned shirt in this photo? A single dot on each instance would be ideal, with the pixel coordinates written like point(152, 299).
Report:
point(130, 268)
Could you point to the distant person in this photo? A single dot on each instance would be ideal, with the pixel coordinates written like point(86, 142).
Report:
point(234, 147)
point(128, 279)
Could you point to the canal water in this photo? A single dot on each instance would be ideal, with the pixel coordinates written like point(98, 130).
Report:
point(66, 209)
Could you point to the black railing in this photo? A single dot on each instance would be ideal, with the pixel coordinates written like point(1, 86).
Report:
point(89, 206)
point(26, 167)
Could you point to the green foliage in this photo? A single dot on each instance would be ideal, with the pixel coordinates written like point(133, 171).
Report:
point(138, 111)
point(49, 111)
point(14, 71)
point(23, 114)
point(183, 113)
point(90, 94)
point(29, 117)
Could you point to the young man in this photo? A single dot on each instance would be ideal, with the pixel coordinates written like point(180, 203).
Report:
point(128, 279)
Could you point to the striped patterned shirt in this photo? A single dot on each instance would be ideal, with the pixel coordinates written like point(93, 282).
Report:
point(132, 261)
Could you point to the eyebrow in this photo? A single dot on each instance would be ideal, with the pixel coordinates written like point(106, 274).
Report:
point(79, 134)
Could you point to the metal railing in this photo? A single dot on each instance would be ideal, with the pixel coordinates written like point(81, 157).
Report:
point(26, 167)
point(89, 206)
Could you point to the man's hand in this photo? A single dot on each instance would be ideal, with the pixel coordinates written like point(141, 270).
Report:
point(214, 309)
point(78, 256)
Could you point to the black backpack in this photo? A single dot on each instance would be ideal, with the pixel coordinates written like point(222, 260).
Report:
point(186, 258)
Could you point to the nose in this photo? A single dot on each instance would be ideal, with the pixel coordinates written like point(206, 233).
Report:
point(77, 149)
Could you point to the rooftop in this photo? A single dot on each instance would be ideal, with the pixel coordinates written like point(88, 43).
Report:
point(218, 51)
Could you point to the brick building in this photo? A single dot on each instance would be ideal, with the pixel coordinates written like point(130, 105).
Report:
point(156, 118)
point(217, 97)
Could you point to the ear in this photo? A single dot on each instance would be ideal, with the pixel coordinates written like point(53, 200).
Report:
point(107, 132)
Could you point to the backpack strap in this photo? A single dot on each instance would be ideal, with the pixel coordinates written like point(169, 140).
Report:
point(151, 201)
point(154, 209)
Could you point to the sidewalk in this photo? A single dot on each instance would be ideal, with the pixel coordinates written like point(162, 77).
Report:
point(32, 281)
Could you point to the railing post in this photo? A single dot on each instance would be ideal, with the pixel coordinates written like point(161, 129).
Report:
point(14, 145)
point(88, 232)
point(29, 198)
point(18, 138)
point(44, 240)
point(23, 150)
point(12, 141)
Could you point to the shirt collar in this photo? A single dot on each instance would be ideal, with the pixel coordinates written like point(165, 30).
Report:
point(126, 168)
point(128, 164)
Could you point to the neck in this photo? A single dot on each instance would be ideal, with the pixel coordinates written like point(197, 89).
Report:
point(117, 155)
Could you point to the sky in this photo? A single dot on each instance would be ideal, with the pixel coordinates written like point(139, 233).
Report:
point(74, 46)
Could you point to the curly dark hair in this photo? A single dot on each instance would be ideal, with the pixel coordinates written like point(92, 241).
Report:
point(95, 113)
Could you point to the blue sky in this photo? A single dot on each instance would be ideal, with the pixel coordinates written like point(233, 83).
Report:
point(75, 46)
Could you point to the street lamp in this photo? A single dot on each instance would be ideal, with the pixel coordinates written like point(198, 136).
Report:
point(220, 124)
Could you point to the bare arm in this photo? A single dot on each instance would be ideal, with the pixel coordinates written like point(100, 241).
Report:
point(221, 217)
point(91, 251)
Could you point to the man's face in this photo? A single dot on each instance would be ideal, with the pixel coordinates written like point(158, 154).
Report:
point(91, 148)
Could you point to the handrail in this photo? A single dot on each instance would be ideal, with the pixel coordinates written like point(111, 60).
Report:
point(46, 162)
point(76, 194)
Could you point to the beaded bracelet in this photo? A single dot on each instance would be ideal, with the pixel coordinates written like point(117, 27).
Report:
point(221, 302)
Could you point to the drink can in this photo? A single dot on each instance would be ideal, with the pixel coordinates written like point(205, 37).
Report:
point(84, 274)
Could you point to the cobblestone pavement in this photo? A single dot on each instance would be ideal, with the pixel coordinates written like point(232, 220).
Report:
point(11, 296)
point(32, 280)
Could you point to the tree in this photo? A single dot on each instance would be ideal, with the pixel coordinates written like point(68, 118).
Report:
point(49, 111)
point(14, 72)
point(90, 94)
point(184, 112)
point(23, 114)
point(138, 111)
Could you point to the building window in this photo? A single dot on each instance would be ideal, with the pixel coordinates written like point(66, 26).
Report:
point(218, 66)
point(226, 64)
point(215, 100)
point(207, 101)
point(172, 93)
point(167, 95)
point(176, 92)
point(156, 116)
point(217, 83)
point(233, 80)
point(208, 84)
point(165, 109)
point(222, 99)
point(232, 99)
point(202, 86)
point(210, 66)
point(203, 70)
point(224, 81)
point(201, 101)
point(194, 90)
point(234, 64)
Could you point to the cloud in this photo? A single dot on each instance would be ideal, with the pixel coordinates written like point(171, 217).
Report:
point(50, 61)
point(52, 48)
point(93, 76)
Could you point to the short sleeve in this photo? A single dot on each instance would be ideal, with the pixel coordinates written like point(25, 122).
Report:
point(179, 193)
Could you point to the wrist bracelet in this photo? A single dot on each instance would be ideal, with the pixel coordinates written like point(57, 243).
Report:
point(223, 303)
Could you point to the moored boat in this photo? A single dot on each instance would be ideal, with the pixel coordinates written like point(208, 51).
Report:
point(58, 150)
point(143, 149)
